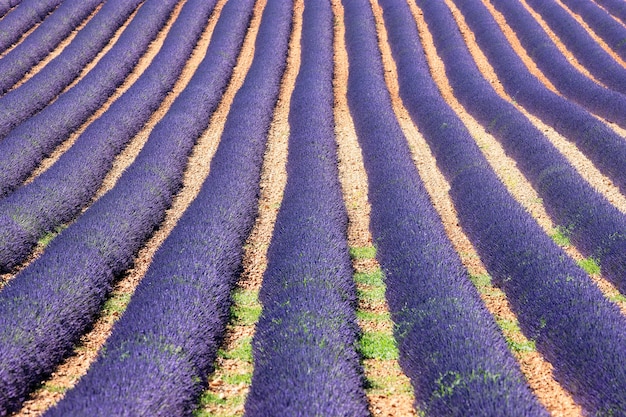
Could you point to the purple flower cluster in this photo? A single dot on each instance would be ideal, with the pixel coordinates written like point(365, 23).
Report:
point(305, 361)
point(601, 22)
point(47, 306)
point(58, 194)
point(583, 46)
point(7, 5)
point(22, 102)
point(449, 344)
point(595, 226)
point(605, 148)
point(580, 332)
point(569, 81)
point(24, 17)
point(160, 352)
point(36, 46)
point(35, 138)
point(617, 8)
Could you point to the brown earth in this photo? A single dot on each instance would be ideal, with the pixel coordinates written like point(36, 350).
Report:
point(392, 399)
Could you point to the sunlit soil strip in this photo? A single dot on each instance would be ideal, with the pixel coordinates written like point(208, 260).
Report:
point(617, 19)
point(25, 34)
point(229, 384)
point(68, 373)
point(388, 390)
point(530, 64)
point(128, 155)
point(140, 67)
point(537, 371)
point(58, 49)
point(515, 181)
point(595, 37)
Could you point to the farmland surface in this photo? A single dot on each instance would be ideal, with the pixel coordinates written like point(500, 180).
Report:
point(313, 207)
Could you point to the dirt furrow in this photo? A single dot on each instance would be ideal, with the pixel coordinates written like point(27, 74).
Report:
point(517, 183)
point(142, 64)
point(230, 382)
point(68, 373)
point(595, 37)
point(537, 370)
point(388, 389)
point(523, 54)
point(57, 50)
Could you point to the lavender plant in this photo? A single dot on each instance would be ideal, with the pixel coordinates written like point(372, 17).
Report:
point(449, 345)
point(580, 332)
point(305, 361)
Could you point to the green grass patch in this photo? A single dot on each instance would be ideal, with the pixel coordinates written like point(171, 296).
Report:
point(246, 308)
point(236, 379)
point(116, 304)
point(561, 236)
point(619, 298)
point(377, 345)
point(371, 294)
point(210, 399)
point(527, 346)
point(375, 278)
point(481, 281)
point(363, 252)
point(47, 238)
point(372, 316)
point(242, 352)
point(590, 266)
point(55, 388)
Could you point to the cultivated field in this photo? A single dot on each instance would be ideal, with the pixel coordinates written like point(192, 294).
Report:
point(313, 207)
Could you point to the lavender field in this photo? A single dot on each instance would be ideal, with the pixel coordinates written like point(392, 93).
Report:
point(313, 208)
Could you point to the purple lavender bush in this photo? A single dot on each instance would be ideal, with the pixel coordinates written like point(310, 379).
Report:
point(580, 332)
point(450, 346)
point(304, 347)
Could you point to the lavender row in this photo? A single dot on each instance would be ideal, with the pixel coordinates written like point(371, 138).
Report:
point(450, 346)
point(305, 361)
point(528, 90)
point(595, 226)
point(47, 306)
point(24, 17)
point(59, 193)
point(28, 143)
point(35, 138)
point(601, 22)
point(616, 8)
point(581, 333)
point(7, 5)
point(20, 103)
point(36, 46)
point(600, 64)
point(571, 82)
point(601, 144)
point(163, 347)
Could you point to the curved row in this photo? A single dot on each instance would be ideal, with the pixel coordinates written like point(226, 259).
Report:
point(613, 33)
point(22, 102)
point(24, 17)
point(569, 81)
point(596, 227)
point(59, 193)
point(163, 347)
point(616, 8)
point(449, 344)
point(586, 50)
point(305, 361)
point(46, 307)
point(35, 47)
point(7, 5)
point(601, 144)
point(581, 333)
point(28, 143)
